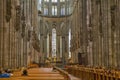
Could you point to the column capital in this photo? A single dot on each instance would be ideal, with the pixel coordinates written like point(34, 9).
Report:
point(45, 37)
point(58, 35)
point(41, 34)
point(63, 36)
point(66, 34)
point(50, 34)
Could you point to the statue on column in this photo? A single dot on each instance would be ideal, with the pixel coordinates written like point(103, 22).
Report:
point(8, 10)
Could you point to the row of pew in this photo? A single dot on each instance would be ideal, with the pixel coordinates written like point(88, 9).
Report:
point(89, 73)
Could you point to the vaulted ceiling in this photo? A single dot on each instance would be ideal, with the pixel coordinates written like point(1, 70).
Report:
point(56, 8)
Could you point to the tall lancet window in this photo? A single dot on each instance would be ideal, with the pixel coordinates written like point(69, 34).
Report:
point(53, 42)
point(48, 46)
point(39, 5)
point(69, 42)
point(54, 10)
point(54, 0)
point(63, 10)
point(46, 0)
point(62, 0)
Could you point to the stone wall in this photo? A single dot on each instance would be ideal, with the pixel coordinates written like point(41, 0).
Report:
point(98, 24)
point(17, 19)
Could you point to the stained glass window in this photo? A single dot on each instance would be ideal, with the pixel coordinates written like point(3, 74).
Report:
point(69, 42)
point(46, 0)
point(53, 42)
point(54, 10)
point(62, 0)
point(45, 11)
point(63, 10)
point(54, 0)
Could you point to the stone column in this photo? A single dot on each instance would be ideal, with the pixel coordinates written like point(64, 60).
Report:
point(22, 52)
point(9, 44)
point(50, 45)
point(118, 33)
point(89, 47)
point(84, 25)
point(15, 49)
point(45, 47)
point(99, 32)
point(1, 25)
point(114, 30)
point(94, 22)
point(58, 47)
point(3, 29)
point(6, 42)
point(25, 50)
point(66, 48)
point(41, 48)
point(72, 49)
point(105, 34)
point(10, 24)
point(110, 58)
point(110, 34)
point(19, 49)
point(29, 53)
point(63, 50)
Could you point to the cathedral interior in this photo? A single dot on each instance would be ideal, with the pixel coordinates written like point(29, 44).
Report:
point(77, 37)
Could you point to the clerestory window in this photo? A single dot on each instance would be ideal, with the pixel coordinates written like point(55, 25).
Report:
point(46, 0)
point(62, 0)
point(54, 0)
point(45, 11)
point(54, 10)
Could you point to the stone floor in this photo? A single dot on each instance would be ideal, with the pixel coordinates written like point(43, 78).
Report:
point(39, 74)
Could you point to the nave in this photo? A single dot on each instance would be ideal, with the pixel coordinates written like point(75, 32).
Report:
point(81, 37)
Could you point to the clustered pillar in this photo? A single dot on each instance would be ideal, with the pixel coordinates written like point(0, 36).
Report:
point(98, 24)
point(14, 36)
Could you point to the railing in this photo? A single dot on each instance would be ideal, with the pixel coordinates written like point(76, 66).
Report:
point(64, 73)
point(86, 73)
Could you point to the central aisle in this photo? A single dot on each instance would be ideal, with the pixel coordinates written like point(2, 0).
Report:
point(37, 74)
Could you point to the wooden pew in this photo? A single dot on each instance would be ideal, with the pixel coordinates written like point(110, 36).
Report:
point(87, 73)
point(66, 74)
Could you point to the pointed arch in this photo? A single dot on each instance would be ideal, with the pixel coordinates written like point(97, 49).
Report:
point(62, 28)
point(46, 28)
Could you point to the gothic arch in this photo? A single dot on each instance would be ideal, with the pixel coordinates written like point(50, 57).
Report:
point(46, 28)
point(62, 28)
point(54, 25)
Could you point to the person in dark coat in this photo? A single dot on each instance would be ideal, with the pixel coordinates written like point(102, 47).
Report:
point(24, 72)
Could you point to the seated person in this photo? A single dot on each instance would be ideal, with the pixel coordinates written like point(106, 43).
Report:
point(10, 72)
point(4, 75)
point(24, 72)
point(54, 69)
